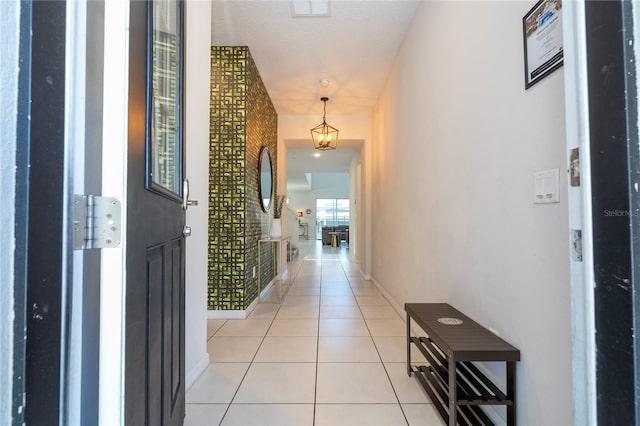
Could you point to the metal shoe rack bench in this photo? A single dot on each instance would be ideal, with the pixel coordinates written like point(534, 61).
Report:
point(452, 381)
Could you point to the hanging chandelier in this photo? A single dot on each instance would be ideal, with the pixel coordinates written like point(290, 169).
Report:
point(324, 136)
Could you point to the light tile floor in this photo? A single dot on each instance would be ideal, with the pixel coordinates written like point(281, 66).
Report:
point(333, 353)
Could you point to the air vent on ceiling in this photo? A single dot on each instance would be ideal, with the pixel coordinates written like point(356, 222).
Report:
point(310, 8)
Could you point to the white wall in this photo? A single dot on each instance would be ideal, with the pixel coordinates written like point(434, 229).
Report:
point(456, 142)
point(323, 185)
point(197, 72)
point(9, 21)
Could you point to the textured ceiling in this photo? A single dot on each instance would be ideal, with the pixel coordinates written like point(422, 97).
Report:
point(354, 48)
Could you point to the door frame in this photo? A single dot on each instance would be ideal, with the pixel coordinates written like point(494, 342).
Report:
point(15, 210)
point(114, 184)
point(48, 383)
point(601, 117)
point(47, 253)
point(580, 214)
point(613, 138)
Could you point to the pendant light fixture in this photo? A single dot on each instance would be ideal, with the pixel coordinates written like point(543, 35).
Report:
point(324, 136)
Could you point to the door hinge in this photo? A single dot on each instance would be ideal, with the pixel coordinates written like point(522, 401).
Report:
point(576, 245)
point(96, 222)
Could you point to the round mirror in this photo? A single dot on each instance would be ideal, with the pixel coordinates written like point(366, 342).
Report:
point(265, 179)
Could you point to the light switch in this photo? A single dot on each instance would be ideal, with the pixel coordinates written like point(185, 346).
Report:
point(546, 186)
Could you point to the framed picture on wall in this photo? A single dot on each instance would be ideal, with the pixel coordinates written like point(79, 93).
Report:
point(543, 48)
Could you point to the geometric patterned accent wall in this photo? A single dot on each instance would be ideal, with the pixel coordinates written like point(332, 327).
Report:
point(243, 119)
point(262, 130)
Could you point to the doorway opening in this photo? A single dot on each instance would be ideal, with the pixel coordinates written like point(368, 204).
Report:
point(331, 212)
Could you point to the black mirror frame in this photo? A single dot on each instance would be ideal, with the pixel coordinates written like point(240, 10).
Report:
point(265, 151)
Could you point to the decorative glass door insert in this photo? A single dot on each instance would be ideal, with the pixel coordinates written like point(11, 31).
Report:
point(164, 145)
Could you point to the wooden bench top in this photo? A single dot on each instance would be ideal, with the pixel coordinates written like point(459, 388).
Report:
point(468, 341)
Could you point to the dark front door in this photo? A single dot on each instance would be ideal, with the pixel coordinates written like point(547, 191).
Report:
point(615, 167)
point(154, 343)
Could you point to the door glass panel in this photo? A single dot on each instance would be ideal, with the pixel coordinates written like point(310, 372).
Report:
point(164, 154)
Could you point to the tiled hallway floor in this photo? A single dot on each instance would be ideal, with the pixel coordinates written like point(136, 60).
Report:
point(333, 353)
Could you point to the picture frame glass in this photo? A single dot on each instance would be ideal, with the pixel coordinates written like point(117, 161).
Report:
point(543, 43)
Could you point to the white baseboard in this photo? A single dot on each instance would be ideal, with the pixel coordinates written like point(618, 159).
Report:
point(226, 314)
point(399, 309)
point(229, 314)
point(238, 314)
point(365, 276)
point(252, 306)
point(196, 371)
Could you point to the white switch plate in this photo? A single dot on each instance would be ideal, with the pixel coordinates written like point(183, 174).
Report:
point(546, 186)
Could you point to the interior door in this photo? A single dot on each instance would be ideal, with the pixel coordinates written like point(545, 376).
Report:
point(154, 342)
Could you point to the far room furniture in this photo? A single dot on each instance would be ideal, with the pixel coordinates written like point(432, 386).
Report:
point(342, 230)
point(455, 385)
point(276, 250)
point(344, 235)
point(334, 238)
point(326, 238)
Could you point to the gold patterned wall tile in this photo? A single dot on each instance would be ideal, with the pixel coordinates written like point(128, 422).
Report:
point(242, 120)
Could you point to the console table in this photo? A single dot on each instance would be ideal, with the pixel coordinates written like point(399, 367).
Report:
point(454, 384)
point(276, 249)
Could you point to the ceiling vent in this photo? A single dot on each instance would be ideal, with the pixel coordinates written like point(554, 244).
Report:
point(310, 8)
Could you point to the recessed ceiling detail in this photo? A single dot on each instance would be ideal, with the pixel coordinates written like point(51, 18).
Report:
point(302, 162)
point(310, 8)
